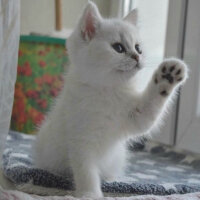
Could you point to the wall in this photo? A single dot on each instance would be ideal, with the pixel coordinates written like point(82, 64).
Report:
point(39, 15)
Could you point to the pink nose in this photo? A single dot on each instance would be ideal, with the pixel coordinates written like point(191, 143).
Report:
point(135, 57)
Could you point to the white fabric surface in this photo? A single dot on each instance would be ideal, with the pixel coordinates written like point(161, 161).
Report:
point(16, 195)
point(9, 43)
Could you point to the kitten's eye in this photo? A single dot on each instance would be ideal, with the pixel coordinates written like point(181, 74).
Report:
point(119, 47)
point(138, 49)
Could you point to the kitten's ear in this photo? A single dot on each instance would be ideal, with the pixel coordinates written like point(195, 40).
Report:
point(132, 17)
point(89, 21)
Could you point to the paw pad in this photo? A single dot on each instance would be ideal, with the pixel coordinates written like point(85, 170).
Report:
point(170, 73)
point(169, 77)
point(172, 68)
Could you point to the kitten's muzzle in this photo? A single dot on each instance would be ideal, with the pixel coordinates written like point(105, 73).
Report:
point(135, 57)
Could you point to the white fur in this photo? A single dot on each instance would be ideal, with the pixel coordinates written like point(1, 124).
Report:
point(97, 111)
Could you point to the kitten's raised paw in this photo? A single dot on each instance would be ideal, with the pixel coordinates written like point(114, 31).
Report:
point(171, 72)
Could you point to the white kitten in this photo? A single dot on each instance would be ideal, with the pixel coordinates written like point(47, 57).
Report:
point(98, 110)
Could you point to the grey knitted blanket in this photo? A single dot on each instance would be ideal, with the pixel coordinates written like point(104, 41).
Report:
point(152, 169)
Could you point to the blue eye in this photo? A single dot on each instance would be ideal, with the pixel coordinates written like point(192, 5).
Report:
point(118, 47)
point(138, 49)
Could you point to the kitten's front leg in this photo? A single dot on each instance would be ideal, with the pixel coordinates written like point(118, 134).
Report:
point(152, 103)
point(87, 179)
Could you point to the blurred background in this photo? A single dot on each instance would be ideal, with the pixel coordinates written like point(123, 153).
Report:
point(164, 33)
point(57, 18)
point(167, 28)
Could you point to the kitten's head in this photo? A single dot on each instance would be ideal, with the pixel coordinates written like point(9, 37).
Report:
point(105, 51)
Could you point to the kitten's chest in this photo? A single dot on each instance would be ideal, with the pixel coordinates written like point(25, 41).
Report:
point(106, 109)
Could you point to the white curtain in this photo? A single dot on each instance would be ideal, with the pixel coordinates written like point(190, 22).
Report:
point(127, 6)
point(9, 43)
point(120, 8)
